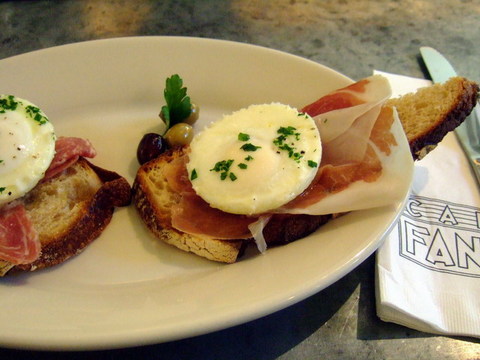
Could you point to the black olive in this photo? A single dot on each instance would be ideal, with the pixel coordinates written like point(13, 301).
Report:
point(150, 147)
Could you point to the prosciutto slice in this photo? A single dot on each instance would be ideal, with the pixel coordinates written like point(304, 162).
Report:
point(19, 242)
point(194, 215)
point(372, 149)
point(365, 163)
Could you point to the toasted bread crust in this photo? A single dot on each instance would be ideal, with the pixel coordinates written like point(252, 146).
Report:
point(150, 209)
point(94, 215)
point(458, 97)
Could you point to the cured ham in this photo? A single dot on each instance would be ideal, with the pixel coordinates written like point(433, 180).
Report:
point(373, 149)
point(67, 152)
point(193, 215)
point(19, 243)
point(339, 99)
point(351, 156)
point(363, 144)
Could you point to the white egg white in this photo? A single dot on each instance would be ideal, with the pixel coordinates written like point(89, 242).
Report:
point(255, 159)
point(27, 147)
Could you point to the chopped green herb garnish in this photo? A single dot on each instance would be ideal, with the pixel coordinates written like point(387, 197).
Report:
point(178, 106)
point(1, 161)
point(193, 175)
point(223, 167)
point(232, 176)
point(36, 114)
point(291, 152)
point(312, 164)
point(279, 141)
point(2, 189)
point(8, 103)
point(287, 131)
point(249, 147)
point(242, 166)
point(248, 158)
point(243, 137)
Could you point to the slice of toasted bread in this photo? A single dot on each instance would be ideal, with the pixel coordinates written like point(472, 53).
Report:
point(430, 113)
point(70, 210)
point(427, 116)
point(153, 199)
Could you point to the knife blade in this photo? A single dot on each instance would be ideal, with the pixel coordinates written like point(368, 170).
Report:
point(468, 133)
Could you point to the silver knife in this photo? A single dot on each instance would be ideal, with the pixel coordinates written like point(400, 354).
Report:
point(468, 133)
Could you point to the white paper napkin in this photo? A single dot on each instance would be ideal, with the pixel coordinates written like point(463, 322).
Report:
point(428, 269)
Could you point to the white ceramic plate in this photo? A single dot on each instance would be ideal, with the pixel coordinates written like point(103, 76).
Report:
point(126, 289)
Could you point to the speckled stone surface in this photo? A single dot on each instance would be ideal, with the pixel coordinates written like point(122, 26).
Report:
point(350, 36)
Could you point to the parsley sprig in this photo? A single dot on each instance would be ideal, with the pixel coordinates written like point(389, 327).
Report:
point(178, 106)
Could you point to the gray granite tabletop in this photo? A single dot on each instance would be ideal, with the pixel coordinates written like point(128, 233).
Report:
point(351, 36)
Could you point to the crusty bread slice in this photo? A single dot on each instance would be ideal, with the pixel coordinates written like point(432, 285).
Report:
point(426, 116)
point(430, 113)
point(70, 210)
point(153, 199)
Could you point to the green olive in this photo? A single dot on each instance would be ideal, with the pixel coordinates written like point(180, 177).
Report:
point(194, 114)
point(179, 134)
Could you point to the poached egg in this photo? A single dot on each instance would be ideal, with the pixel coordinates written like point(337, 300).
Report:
point(255, 159)
point(27, 147)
